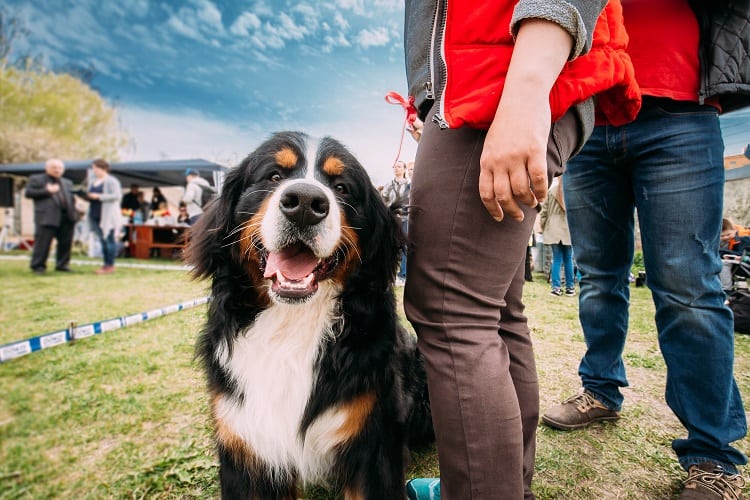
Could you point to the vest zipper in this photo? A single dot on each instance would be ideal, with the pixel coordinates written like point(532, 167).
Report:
point(437, 55)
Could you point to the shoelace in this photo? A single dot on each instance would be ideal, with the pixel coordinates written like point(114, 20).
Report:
point(717, 481)
point(584, 401)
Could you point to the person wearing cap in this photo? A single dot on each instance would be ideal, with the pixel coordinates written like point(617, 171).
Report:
point(194, 194)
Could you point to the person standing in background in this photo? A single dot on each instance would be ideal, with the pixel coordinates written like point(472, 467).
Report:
point(130, 200)
point(157, 198)
point(104, 196)
point(396, 197)
point(193, 194)
point(54, 216)
point(668, 165)
point(555, 233)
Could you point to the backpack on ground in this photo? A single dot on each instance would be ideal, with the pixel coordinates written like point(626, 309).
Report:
point(208, 194)
point(739, 303)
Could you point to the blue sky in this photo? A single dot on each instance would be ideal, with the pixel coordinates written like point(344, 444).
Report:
point(212, 78)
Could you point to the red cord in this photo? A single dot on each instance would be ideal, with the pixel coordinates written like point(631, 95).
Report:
point(393, 97)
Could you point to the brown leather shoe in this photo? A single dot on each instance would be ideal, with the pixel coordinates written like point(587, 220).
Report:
point(707, 481)
point(578, 411)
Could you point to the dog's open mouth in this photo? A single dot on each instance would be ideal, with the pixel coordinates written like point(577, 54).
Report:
point(295, 271)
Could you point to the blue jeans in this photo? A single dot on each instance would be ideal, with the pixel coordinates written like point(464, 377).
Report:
point(402, 266)
point(562, 256)
point(667, 165)
point(109, 246)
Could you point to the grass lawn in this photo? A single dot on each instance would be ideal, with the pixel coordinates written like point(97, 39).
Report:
point(124, 414)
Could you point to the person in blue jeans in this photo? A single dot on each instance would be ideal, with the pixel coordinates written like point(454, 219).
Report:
point(555, 233)
point(668, 166)
point(104, 196)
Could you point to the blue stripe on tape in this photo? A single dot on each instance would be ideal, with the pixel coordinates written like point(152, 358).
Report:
point(20, 348)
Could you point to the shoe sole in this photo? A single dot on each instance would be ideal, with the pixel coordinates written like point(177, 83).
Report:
point(571, 427)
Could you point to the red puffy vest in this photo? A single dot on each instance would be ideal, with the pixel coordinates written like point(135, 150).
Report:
point(477, 48)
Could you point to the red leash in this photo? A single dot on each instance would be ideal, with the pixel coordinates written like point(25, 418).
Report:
point(393, 97)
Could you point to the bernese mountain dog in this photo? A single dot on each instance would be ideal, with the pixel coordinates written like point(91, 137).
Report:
point(312, 381)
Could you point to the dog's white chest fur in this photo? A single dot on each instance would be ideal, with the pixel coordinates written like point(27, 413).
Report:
point(273, 365)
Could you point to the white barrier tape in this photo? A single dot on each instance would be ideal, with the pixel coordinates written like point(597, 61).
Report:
point(20, 348)
point(120, 263)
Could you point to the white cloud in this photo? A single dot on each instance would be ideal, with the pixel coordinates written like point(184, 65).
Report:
point(209, 15)
point(179, 26)
point(375, 37)
point(200, 22)
point(293, 30)
point(331, 42)
point(244, 24)
point(340, 21)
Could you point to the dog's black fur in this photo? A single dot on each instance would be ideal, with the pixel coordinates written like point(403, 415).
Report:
point(367, 395)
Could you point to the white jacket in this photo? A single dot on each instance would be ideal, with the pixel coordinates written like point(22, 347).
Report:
point(193, 196)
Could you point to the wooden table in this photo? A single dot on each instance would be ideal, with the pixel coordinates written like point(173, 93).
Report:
point(169, 241)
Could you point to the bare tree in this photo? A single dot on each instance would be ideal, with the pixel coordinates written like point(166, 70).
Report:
point(11, 30)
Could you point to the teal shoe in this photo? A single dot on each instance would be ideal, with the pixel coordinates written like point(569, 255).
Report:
point(423, 488)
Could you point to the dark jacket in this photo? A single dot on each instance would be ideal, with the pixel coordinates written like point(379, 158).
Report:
point(724, 51)
point(48, 209)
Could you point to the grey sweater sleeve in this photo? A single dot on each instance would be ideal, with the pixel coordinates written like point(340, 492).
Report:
point(577, 17)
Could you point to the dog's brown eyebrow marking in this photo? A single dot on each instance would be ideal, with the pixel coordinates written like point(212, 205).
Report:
point(333, 166)
point(286, 158)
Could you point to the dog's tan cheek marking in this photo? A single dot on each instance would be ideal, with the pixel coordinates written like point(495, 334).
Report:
point(333, 166)
point(249, 253)
point(358, 410)
point(251, 233)
point(286, 158)
point(351, 494)
point(350, 240)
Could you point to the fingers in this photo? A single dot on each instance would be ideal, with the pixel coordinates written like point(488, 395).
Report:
point(521, 188)
point(502, 192)
point(488, 196)
point(537, 171)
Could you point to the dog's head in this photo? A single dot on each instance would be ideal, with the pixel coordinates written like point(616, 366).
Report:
point(294, 214)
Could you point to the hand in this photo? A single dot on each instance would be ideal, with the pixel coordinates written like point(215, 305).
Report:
point(53, 188)
point(415, 129)
point(94, 196)
point(513, 164)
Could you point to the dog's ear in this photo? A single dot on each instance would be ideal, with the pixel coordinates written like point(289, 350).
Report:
point(204, 252)
point(386, 241)
point(208, 249)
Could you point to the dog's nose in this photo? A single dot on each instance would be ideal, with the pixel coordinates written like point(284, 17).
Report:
point(304, 204)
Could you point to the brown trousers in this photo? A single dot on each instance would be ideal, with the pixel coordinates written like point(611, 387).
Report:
point(464, 288)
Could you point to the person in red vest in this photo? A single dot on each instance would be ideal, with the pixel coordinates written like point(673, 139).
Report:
point(505, 93)
point(668, 166)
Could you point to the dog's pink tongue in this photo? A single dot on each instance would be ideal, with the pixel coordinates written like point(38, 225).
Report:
point(294, 262)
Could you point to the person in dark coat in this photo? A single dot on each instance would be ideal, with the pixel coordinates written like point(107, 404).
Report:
point(54, 215)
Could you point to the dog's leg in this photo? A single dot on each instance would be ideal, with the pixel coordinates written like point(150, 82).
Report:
point(376, 471)
point(251, 481)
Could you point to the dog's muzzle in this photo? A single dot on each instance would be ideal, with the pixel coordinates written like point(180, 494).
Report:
point(301, 236)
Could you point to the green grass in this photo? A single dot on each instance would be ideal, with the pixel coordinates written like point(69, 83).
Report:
point(124, 414)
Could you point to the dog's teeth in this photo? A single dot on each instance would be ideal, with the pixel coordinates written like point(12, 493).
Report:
point(308, 280)
point(279, 277)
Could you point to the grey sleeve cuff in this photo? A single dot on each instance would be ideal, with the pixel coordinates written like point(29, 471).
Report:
point(577, 17)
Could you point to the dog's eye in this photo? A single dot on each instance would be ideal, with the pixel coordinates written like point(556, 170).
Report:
point(275, 177)
point(341, 189)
